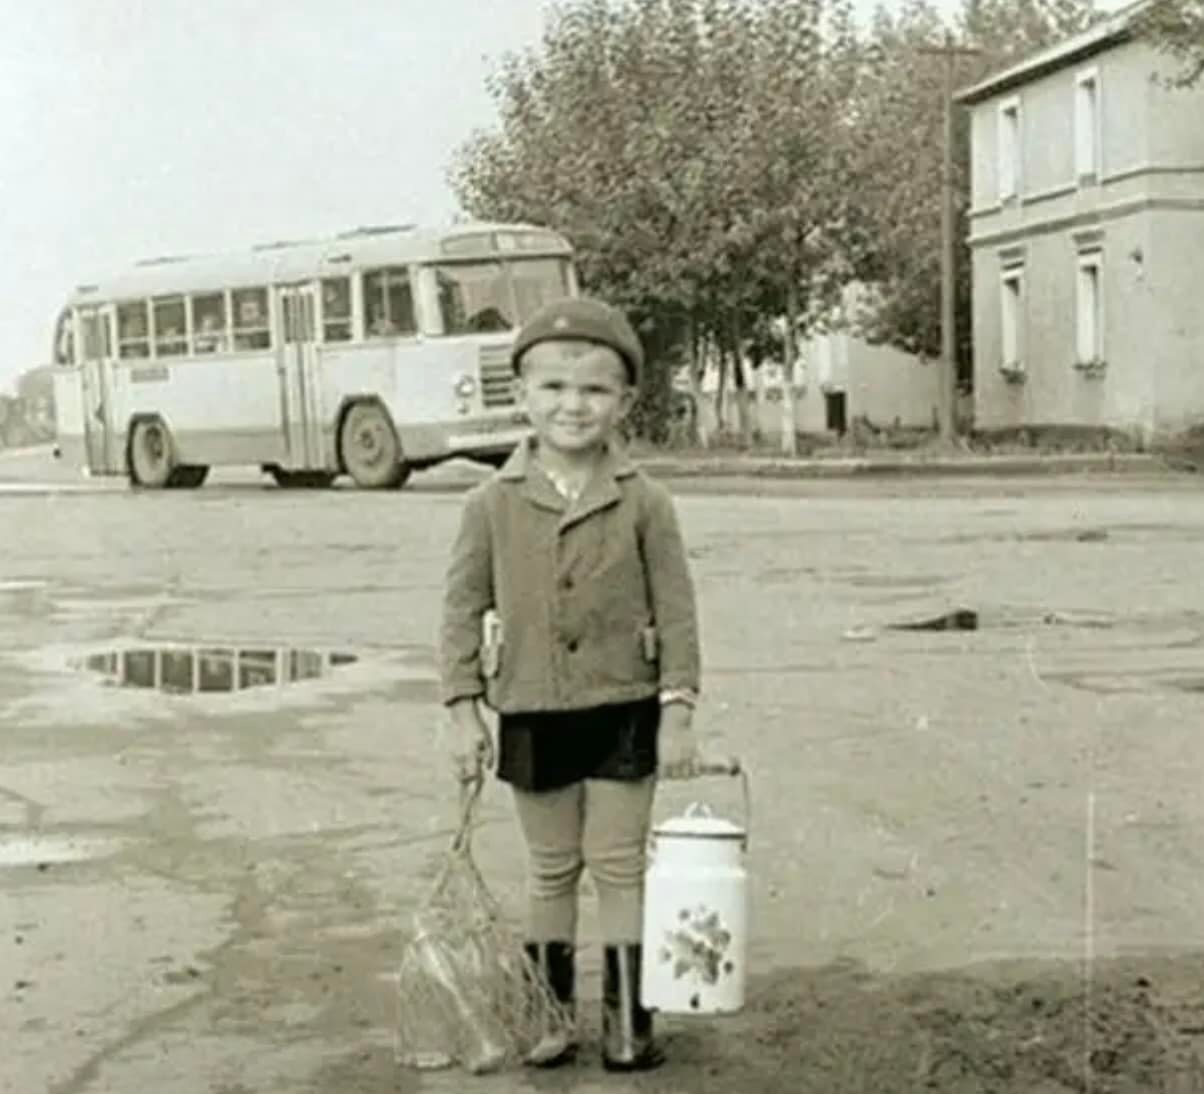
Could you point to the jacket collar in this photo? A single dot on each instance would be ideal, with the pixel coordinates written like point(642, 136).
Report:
point(601, 491)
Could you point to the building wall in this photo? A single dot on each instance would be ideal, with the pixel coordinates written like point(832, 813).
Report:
point(1054, 391)
point(888, 386)
point(1176, 121)
point(1172, 273)
point(1146, 214)
point(880, 383)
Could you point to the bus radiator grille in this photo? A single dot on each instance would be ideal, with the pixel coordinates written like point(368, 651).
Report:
point(496, 376)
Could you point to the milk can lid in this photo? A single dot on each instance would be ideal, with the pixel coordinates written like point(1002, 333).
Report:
point(698, 821)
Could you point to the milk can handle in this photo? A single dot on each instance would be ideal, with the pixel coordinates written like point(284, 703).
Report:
point(732, 766)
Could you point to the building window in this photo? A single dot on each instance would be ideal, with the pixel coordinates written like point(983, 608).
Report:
point(1011, 303)
point(336, 309)
point(209, 323)
point(252, 329)
point(388, 303)
point(1009, 150)
point(1089, 309)
point(170, 326)
point(1087, 127)
point(133, 338)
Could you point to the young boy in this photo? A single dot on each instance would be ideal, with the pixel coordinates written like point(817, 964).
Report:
point(569, 609)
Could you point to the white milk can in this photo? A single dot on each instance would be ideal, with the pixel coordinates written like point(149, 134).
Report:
point(695, 931)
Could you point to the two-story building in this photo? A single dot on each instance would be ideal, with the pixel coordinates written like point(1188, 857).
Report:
point(1087, 237)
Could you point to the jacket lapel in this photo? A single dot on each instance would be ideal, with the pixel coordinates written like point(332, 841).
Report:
point(601, 492)
point(533, 486)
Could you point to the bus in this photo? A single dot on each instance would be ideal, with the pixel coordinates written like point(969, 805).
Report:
point(378, 352)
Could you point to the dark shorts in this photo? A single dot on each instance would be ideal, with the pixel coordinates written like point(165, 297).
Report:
point(548, 750)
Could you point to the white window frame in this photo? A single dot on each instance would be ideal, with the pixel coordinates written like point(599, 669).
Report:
point(1011, 317)
point(1089, 308)
point(1088, 129)
point(1009, 150)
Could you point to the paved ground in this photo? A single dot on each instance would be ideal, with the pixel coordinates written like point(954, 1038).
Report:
point(976, 856)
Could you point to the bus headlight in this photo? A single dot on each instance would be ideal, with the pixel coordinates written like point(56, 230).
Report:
point(465, 387)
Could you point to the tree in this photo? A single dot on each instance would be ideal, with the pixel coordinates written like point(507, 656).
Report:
point(897, 111)
point(683, 146)
point(1177, 28)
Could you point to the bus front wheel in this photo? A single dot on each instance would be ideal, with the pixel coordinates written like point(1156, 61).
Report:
point(370, 449)
point(152, 459)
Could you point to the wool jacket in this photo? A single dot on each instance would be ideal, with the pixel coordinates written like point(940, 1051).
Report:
point(558, 605)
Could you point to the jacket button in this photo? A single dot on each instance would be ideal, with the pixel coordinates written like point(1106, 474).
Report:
point(567, 583)
point(571, 645)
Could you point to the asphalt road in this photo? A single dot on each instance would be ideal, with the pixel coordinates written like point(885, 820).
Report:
point(203, 892)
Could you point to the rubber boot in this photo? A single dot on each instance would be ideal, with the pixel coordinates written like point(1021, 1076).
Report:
point(627, 1043)
point(555, 962)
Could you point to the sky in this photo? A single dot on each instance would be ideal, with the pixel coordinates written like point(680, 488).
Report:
point(135, 128)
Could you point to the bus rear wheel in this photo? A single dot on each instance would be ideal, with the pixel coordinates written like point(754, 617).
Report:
point(301, 480)
point(370, 450)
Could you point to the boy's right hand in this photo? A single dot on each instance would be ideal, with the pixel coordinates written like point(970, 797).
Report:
point(470, 742)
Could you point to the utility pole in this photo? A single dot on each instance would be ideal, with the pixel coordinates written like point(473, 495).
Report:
point(948, 400)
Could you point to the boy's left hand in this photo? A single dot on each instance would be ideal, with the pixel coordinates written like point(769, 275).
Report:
point(676, 745)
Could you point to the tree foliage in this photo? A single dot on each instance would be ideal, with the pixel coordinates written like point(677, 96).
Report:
point(718, 163)
point(1177, 28)
point(686, 147)
point(899, 112)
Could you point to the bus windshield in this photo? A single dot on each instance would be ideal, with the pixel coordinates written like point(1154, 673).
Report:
point(488, 297)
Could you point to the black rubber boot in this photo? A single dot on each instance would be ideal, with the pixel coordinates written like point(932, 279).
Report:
point(555, 962)
point(627, 1043)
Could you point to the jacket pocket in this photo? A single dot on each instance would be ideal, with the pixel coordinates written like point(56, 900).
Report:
point(491, 644)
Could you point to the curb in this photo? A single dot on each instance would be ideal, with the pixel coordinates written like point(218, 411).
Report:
point(757, 467)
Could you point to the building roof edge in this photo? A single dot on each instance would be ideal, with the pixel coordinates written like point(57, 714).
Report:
point(1109, 32)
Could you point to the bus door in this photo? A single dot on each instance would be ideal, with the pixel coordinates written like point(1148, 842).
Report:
point(300, 390)
point(96, 373)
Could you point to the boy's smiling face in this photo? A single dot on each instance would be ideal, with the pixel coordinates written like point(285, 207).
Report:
point(575, 393)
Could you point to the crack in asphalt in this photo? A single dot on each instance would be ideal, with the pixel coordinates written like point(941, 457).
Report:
point(89, 1071)
point(34, 810)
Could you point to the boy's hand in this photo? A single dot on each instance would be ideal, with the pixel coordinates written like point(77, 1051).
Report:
point(470, 745)
point(676, 745)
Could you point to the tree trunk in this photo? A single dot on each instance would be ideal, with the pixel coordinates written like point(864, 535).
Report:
point(721, 384)
point(741, 385)
point(789, 356)
point(701, 429)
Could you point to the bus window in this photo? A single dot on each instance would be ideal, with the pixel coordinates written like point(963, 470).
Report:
point(388, 303)
point(251, 329)
point(170, 324)
point(336, 309)
point(132, 328)
point(474, 298)
point(64, 341)
point(209, 323)
point(538, 281)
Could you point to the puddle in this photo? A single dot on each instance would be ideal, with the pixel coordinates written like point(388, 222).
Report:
point(47, 850)
point(962, 619)
point(185, 670)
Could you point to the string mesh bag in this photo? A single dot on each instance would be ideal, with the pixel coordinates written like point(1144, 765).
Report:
point(469, 995)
